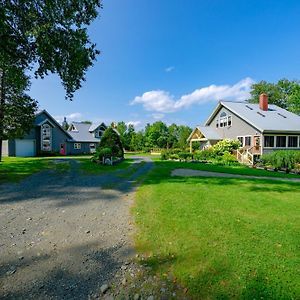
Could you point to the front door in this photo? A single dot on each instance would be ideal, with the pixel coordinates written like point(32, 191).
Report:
point(62, 150)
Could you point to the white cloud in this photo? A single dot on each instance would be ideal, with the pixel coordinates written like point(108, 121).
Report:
point(169, 69)
point(134, 123)
point(157, 116)
point(163, 102)
point(76, 116)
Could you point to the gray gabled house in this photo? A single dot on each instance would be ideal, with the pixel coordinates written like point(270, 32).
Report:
point(47, 136)
point(261, 128)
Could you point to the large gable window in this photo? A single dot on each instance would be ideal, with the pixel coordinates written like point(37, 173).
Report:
point(224, 120)
point(46, 135)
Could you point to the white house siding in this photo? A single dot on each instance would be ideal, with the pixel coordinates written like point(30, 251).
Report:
point(238, 126)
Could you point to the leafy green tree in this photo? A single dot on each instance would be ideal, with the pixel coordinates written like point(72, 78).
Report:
point(129, 133)
point(86, 122)
point(156, 135)
point(183, 133)
point(43, 37)
point(284, 93)
point(111, 140)
point(17, 109)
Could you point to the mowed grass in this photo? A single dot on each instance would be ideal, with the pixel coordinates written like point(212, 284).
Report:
point(89, 167)
point(238, 169)
point(14, 169)
point(221, 238)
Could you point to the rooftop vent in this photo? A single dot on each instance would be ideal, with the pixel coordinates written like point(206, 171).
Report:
point(249, 107)
point(281, 115)
point(259, 113)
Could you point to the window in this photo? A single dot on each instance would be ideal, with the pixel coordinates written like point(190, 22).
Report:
point(77, 146)
point(247, 140)
point(269, 141)
point(46, 137)
point(241, 139)
point(281, 141)
point(223, 120)
point(293, 141)
point(92, 148)
point(229, 121)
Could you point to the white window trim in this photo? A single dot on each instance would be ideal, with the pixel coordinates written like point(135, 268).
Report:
point(77, 146)
point(274, 141)
point(244, 139)
point(288, 141)
point(286, 144)
point(224, 120)
point(41, 138)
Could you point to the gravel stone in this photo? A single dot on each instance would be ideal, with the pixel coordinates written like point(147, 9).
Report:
point(58, 256)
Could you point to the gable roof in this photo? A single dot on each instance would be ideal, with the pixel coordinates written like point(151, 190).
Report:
point(51, 120)
point(274, 119)
point(83, 133)
point(208, 132)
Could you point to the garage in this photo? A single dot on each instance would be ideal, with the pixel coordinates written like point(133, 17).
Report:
point(25, 147)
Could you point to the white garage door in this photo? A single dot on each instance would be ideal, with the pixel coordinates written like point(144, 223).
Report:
point(25, 147)
point(5, 148)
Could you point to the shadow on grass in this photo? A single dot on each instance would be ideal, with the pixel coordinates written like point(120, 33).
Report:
point(70, 188)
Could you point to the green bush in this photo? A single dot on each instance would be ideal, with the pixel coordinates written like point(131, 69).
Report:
point(110, 140)
point(228, 159)
point(104, 153)
point(165, 154)
point(226, 145)
point(174, 156)
point(281, 159)
point(185, 155)
point(205, 154)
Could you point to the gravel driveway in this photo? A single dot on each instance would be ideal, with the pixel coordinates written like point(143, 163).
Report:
point(63, 235)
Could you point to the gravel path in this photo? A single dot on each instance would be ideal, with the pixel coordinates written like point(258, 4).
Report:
point(63, 235)
point(190, 173)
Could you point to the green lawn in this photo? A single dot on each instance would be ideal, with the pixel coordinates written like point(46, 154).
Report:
point(239, 169)
point(13, 169)
point(221, 238)
point(89, 167)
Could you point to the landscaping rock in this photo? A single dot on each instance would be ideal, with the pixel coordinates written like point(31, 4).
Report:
point(104, 288)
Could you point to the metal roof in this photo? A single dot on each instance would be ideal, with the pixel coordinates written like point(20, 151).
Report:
point(274, 119)
point(209, 133)
point(82, 133)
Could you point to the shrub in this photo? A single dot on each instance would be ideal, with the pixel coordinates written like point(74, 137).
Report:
point(226, 145)
point(287, 159)
point(104, 153)
point(165, 154)
point(228, 159)
point(205, 154)
point(185, 155)
point(112, 141)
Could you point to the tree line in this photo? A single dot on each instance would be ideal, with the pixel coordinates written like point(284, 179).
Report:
point(156, 135)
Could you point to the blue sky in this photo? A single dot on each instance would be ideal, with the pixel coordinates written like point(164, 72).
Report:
point(172, 60)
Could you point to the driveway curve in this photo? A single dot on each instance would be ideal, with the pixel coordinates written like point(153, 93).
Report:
point(63, 235)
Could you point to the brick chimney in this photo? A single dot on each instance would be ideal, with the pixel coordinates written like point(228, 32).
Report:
point(263, 102)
